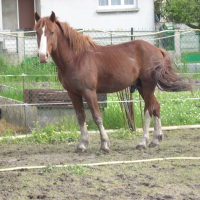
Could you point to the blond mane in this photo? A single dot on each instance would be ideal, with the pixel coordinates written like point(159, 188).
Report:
point(78, 42)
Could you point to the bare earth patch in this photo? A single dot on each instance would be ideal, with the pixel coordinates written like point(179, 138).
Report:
point(172, 179)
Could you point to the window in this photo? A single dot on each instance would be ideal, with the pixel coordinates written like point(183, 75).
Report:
point(128, 2)
point(117, 5)
point(115, 2)
point(103, 2)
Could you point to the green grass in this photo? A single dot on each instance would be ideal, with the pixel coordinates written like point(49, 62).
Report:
point(35, 76)
point(13, 93)
point(176, 109)
point(70, 169)
point(32, 67)
point(51, 134)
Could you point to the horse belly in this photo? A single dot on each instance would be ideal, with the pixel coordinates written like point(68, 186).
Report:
point(117, 76)
point(111, 85)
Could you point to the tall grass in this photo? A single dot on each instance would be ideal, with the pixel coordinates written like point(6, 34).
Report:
point(31, 66)
point(35, 71)
point(180, 108)
point(13, 93)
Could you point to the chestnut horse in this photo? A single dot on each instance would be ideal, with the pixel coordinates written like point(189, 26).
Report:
point(85, 69)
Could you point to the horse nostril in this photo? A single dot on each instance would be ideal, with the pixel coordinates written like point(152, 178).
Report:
point(47, 55)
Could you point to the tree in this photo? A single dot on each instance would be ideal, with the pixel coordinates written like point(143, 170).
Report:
point(179, 11)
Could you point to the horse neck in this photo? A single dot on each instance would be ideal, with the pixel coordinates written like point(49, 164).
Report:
point(63, 56)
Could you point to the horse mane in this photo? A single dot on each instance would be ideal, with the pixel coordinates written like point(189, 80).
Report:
point(78, 42)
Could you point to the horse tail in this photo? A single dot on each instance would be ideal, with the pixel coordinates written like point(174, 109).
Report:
point(167, 78)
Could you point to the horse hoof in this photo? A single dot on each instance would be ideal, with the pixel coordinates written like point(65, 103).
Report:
point(80, 149)
point(140, 147)
point(153, 145)
point(105, 150)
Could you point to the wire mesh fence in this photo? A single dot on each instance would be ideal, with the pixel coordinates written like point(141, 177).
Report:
point(32, 97)
point(183, 45)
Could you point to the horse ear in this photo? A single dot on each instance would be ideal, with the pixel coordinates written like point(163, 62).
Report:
point(53, 17)
point(37, 17)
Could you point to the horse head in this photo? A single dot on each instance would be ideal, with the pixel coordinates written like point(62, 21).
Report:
point(46, 38)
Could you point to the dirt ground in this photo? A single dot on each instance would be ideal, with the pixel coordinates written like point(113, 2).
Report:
point(171, 179)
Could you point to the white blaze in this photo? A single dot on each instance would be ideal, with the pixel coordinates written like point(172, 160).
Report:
point(43, 43)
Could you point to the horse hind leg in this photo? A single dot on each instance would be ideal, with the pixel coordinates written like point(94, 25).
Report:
point(152, 108)
point(158, 134)
point(145, 136)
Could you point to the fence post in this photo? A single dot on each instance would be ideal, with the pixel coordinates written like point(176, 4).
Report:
point(21, 46)
point(131, 33)
point(177, 43)
point(131, 97)
point(24, 107)
point(111, 37)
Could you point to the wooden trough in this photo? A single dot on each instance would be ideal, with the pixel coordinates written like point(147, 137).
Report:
point(54, 98)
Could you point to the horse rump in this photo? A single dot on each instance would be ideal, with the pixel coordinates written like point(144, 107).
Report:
point(167, 78)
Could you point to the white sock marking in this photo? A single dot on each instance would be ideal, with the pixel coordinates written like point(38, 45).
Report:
point(157, 129)
point(145, 136)
point(84, 131)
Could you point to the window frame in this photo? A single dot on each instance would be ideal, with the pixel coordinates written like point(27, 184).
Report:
point(118, 8)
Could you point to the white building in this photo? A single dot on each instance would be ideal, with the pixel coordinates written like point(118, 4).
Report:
point(80, 14)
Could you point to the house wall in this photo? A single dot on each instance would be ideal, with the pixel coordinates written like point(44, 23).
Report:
point(37, 6)
point(9, 14)
point(1, 23)
point(82, 14)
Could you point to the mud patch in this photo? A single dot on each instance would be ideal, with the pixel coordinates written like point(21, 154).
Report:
point(172, 179)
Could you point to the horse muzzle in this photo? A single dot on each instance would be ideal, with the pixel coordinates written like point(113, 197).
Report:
point(44, 58)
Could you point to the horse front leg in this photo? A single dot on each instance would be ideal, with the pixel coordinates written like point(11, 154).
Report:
point(80, 114)
point(91, 98)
